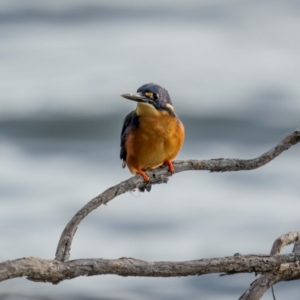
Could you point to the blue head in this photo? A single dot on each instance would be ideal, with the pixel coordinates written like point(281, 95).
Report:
point(153, 95)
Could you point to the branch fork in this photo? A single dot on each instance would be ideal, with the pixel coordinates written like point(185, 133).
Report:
point(274, 267)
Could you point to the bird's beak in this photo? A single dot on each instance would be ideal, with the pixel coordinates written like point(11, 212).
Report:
point(138, 97)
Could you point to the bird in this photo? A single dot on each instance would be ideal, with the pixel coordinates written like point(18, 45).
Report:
point(152, 134)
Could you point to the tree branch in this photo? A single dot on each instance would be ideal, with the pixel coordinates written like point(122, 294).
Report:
point(284, 240)
point(287, 271)
point(274, 267)
point(55, 271)
point(160, 175)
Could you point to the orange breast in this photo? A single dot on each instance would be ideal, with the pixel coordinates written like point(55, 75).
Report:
point(156, 140)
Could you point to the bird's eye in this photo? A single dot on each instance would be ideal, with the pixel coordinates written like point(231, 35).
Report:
point(151, 95)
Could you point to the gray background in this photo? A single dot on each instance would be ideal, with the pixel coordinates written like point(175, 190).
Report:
point(232, 69)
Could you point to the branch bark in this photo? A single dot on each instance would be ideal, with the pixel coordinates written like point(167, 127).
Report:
point(55, 271)
point(287, 271)
point(161, 175)
point(274, 267)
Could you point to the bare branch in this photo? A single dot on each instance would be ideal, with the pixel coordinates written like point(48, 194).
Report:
point(296, 248)
point(287, 271)
point(55, 271)
point(259, 287)
point(274, 267)
point(161, 175)
point(284, 240)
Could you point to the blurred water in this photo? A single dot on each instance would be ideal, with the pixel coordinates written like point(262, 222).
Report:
point(76, 57)
point(232, 70)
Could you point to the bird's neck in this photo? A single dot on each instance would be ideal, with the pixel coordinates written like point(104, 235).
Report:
point(148, 110)
point(145, 109)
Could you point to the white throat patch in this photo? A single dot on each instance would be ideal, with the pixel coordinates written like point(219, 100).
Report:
point(146, 109)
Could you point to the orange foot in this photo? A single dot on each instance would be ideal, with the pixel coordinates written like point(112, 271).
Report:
point(170, 165)
point(143, 174)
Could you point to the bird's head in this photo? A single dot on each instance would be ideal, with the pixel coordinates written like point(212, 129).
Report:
point(151, 99)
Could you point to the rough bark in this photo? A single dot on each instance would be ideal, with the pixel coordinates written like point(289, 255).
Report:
point(55, 271)
point(274, 267)
point(284, 240)
point(287, 271)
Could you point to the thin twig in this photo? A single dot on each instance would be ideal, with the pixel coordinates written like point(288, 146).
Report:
point(273, 292)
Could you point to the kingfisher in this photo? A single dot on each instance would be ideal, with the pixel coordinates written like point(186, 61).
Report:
point(152, 134)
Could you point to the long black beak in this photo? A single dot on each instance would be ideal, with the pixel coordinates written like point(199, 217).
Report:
point(138, 97)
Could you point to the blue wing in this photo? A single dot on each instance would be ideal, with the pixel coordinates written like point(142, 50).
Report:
point(130, 122)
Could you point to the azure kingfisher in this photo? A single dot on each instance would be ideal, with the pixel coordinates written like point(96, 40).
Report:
point(152, 134)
